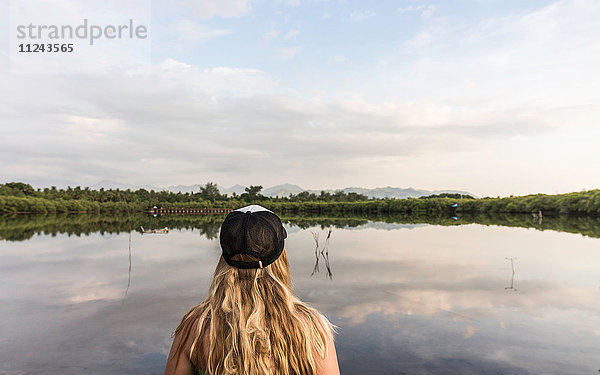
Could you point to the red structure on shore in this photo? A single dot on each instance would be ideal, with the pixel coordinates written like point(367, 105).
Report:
point(202, 211)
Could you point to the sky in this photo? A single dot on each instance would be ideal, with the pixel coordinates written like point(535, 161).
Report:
point(490, 97)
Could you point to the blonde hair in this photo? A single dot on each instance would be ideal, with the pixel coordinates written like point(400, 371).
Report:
point(256, 325)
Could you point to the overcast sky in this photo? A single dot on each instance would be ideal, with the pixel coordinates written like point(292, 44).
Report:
point(491, 97)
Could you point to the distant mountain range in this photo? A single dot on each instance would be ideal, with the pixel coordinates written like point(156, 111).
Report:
point(285, 190)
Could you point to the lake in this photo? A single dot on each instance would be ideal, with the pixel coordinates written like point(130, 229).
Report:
point(512, 295)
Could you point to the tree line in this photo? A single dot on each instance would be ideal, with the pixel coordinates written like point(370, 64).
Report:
point(208, 192)
point(18, 197)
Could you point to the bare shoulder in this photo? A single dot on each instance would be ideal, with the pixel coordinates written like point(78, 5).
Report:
point(182, 360)
point(178, 361)
point(199, 339)
point(329, 364)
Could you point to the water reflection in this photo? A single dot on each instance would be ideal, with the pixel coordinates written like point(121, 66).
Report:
point(512, 278)
point(129, 252)
point(23, 227)
point(539, 216)
point(128, 270)
point(323, 253)
point(408, 297)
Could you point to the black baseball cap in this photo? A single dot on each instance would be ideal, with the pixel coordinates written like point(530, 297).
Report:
point(252, 230)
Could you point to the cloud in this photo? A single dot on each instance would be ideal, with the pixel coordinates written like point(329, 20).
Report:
point(89, 129)
point(337, 59)
point(536, 56)
point(192, 32)
point(218, 8)
point(428, 12)
point(185, 121)
point(292, 3)
point(292, 34)
point(512, 97)
point(410, 8)
point(361, 16)
point(217, 80)
point(288, 53)
point(470, 331)
point(268, 36)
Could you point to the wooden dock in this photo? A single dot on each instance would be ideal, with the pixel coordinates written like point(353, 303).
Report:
point(197, 211)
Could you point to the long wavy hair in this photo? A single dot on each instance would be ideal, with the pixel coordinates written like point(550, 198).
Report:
point(255, 324)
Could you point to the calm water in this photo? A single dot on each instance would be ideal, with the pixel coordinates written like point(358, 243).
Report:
point(408, 298)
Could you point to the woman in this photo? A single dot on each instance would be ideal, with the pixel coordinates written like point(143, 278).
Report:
point(251, 322)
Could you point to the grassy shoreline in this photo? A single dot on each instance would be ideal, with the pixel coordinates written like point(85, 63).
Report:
point(23, 227)
point(581, 203)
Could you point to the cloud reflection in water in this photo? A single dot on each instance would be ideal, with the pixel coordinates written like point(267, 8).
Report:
point(427, 299)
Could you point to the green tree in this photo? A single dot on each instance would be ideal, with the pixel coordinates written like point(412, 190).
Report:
point(17, 189)
point(252, 193)
point(253, 190)
point(210, 191)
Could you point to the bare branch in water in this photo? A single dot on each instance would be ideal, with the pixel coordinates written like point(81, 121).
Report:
point(316, 237)
point(512, 280)
point(323, 253)
point(326, 248)
point(316, 267)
